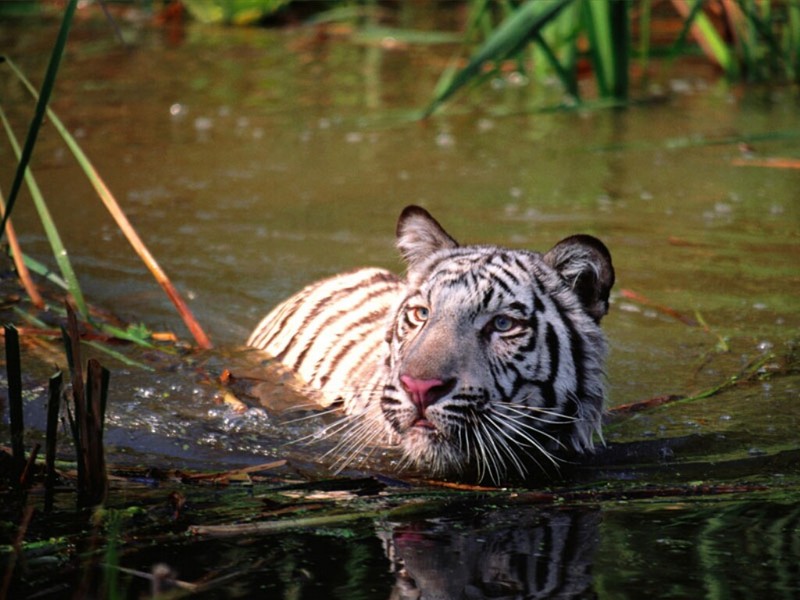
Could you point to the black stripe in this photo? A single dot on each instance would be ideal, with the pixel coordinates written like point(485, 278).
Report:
point(348, 347)
point(507, 269)
point(576, 346)
point(487, 297)
point(554, 349)
point(302, 297)
point(328, 322)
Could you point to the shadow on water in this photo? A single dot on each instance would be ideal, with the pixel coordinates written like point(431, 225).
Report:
point(276, 158)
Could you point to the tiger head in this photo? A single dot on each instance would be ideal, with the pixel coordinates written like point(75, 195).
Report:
point(496, 355)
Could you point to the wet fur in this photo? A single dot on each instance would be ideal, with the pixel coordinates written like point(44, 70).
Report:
point(520, 397)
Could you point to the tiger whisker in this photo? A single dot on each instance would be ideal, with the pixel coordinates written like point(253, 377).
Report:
point(522, 429)
point(502, 440)
point(519, 419)
point(493, 468)
point(316, 415)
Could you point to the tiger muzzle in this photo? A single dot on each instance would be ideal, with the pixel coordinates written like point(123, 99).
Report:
point(424, 392)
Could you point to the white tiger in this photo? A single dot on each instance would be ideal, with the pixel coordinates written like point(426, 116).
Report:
point(482, 358)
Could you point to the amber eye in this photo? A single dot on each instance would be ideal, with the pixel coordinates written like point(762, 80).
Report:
point(501, 323)
point(418, 314)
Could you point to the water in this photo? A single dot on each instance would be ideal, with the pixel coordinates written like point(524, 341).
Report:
point(253, 161)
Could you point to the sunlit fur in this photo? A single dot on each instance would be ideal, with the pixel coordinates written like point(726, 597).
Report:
point(514, 334)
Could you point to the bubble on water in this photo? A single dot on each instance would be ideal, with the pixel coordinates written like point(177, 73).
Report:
point(517, 79)
point(725, 417)
point(680, 86)
point(765, 346)
point(445, 140)
point(628, 307)
point(177, 110)
point(144, 393)
point(203, 124)
point(354, 137)
point(485, 125)
point(756, 451)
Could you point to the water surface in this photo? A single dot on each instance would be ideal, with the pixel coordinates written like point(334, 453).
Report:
point(253, 161)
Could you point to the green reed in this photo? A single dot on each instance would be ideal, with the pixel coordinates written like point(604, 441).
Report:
point(23, 173)
point(751, 40)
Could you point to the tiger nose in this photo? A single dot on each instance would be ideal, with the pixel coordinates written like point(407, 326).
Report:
point(425, 392)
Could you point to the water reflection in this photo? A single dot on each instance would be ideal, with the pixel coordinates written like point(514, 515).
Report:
point(518, 553)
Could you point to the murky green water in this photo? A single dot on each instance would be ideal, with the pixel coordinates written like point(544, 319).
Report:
point(254, 161)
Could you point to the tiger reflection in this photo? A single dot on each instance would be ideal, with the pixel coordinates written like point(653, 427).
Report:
point(522, 553)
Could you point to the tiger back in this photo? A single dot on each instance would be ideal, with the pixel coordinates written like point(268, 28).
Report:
point(482, 358)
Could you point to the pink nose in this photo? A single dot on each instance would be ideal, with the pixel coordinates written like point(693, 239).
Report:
point(425, 392)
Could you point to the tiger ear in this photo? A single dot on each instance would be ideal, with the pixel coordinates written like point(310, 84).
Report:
point(419, 235)
point(584, 263)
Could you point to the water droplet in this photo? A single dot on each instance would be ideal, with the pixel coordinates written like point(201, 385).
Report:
point(445, 140)
point(354, 137)
point(178, 110)
point(517, 79)
point(485, 125)
point(203, 124)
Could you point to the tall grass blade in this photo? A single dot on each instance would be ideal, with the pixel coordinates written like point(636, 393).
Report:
point(19, 261)
point(792, 40)
point(51, 231)
point(509, 38)
point(710, 41)
point(607, 24)
point(620, 46)
point(41, 105)
point(122, 221)
point(44, 271)
point(644, 35)
point(597, 18)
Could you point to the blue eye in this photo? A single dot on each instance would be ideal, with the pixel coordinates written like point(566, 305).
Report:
point(418, 314)
point(502, 323)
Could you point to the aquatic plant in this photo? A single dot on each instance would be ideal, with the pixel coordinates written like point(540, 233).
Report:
point(747, 39)
point(23, 173)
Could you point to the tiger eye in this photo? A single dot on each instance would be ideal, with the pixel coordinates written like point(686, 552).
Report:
point(501, 323)
point(420, 313)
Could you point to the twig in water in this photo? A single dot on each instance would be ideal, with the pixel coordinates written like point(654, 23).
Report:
point(14, 374)
point(670, 312)
point(53, 406)
point(89, 403)
point(16, 551)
